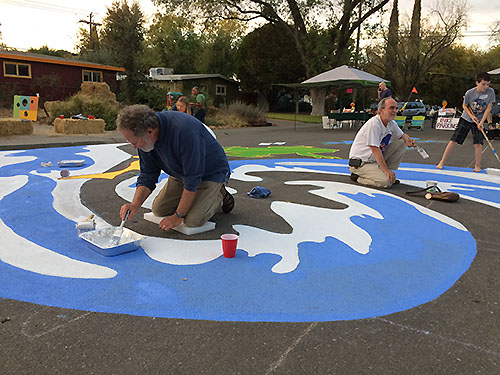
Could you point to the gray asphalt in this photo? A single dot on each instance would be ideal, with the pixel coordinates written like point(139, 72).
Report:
point(457, 333)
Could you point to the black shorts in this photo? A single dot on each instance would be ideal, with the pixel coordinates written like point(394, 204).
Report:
point(462, 130)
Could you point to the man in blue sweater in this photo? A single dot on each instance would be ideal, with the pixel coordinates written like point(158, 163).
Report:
point(195, 162)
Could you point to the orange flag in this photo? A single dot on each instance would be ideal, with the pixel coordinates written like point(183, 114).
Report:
point(414, 90)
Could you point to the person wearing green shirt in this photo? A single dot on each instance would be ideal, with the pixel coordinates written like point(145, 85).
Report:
point(199, 104)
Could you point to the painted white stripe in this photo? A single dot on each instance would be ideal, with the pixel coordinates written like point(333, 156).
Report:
point(24, 254)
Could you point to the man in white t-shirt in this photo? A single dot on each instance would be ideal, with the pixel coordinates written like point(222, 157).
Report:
point(378, 148)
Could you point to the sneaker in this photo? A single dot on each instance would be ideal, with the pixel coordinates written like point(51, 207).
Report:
point(354, 177)
point(227, 201)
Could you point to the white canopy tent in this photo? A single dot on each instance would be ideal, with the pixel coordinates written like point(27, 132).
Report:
point(343, 76)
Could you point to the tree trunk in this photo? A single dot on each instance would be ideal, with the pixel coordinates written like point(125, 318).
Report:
point(318, 101)
point(391, 50)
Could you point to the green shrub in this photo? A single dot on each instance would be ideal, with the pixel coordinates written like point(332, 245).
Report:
point(7, 92)
point(154, 97)
point(86, 105)
point(240, 114)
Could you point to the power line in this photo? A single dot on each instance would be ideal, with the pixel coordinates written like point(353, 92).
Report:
point(44, 6)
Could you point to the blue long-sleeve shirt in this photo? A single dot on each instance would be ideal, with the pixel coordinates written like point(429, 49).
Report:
point(185, 150)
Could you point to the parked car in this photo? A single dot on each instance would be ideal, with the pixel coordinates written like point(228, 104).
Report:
point(412, 109)
point(495, 111)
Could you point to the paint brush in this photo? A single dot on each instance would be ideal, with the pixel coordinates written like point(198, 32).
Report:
point(118, 234)
point(422, 152)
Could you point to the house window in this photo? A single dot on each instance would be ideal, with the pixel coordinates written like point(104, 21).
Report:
point(19, 70)
point(220, 89)
point(92, 76)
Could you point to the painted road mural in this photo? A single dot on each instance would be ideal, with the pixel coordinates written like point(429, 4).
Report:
point(360, 261)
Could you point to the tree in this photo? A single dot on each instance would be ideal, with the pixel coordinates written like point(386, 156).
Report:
point(391, 49)
point(45, 50)
point(173, 43)
point(123, 35)
point(220, 44)
point(495, 33)
point(267, 56)
point(420, 44)
point(88, 42)
point(296, 16)
point(453, 72)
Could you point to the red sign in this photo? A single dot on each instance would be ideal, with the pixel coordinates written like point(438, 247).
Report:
point(349, 91)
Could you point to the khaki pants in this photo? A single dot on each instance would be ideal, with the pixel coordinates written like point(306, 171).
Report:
point(370, 174)
point(207, 200)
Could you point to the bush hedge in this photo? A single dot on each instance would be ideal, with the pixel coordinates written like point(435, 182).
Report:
point(86, 105)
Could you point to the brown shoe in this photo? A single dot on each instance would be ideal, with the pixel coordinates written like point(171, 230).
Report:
point(227, 201)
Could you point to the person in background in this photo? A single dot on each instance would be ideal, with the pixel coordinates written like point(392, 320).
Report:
point(183, 105)
point(383, 91)
point(200, 104)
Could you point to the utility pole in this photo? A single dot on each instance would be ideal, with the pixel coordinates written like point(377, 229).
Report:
point(91, 23)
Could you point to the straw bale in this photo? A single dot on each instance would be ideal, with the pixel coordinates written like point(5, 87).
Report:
point(15, 126)
point(98, 89)
point(76, 126)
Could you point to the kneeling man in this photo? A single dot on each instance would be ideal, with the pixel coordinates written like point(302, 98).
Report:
point(195, 162)
point(378, 148)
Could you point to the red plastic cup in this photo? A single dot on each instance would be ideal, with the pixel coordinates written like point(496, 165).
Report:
point(91, 117)
point(61, 116)
point(229, 242)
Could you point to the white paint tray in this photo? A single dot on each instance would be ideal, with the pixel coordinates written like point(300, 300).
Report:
point(70, 163)
point(100, 241)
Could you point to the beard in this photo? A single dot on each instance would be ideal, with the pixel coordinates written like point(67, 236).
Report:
point(148, 144)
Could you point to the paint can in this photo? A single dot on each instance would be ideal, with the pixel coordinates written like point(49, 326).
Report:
point(429, 184)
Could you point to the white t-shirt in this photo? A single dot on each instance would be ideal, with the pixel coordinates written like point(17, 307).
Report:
point(373, 133)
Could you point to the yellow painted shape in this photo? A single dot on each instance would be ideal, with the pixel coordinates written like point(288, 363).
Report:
point(133, 166)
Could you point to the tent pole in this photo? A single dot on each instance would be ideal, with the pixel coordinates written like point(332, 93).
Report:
point(296, 109)
point(363, 93)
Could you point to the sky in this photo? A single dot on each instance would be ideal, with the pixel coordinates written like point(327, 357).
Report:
point(34, 23)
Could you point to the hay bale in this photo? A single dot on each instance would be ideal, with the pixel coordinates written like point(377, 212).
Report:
point(98, 89)
point(15, 126)
point(76, 126)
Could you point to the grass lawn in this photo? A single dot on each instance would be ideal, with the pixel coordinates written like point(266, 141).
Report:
point(291, 117)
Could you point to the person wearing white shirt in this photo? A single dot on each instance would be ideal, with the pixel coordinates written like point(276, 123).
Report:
point(378, 148)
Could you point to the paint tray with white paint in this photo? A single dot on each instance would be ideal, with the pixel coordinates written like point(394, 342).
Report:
point(70, 163)
point(100, 241)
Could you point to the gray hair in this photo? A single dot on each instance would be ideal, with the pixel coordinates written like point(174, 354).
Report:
point(137, 118)
point(381, 104)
